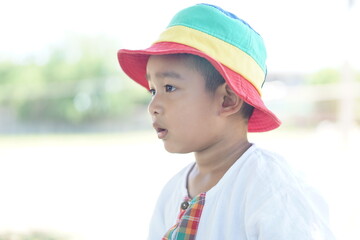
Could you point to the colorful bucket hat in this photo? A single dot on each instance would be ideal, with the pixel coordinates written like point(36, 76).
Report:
point(226, 41)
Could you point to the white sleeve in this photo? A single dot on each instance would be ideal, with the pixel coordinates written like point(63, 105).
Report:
point(289, 214)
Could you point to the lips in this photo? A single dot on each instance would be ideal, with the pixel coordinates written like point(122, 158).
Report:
point(161, 132)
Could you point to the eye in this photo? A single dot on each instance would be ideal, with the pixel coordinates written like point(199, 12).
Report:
point(169, 88)
point(152, 92)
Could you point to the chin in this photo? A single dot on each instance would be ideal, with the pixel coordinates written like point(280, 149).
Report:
point(176, 149)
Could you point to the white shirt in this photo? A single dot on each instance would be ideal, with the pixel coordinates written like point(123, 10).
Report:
point(257, 198)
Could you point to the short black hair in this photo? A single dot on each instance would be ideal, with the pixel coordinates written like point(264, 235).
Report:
point(213, 79)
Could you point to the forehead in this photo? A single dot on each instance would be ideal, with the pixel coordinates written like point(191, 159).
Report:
point(173, 66)
point(173, 59)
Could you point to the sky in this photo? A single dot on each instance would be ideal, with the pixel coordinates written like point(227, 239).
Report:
point(300, 36)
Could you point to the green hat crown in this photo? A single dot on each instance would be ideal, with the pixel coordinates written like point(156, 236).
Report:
point(223, 36)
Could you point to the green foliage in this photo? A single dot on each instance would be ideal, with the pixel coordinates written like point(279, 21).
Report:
point(357, 76)
point(325, 76)
point(76, 82)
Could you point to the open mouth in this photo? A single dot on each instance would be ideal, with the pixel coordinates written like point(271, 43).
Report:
point(161, 132)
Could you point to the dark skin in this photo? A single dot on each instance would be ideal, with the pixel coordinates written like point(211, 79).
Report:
point(212, 164)
point(182, 111)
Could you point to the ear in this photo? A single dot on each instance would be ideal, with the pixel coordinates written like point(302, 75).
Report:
point(230, 101)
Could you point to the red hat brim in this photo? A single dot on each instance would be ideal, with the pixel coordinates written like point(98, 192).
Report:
point(133, 63)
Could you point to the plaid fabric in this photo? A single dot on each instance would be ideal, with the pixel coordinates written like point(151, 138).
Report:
point(188, 220)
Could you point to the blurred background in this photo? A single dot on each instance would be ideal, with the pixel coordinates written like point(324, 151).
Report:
point(78, 157)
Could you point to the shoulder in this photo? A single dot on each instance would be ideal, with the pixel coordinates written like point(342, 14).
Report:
point(271, 177)
point(278, 198)
point(269, 167)
point(265, 166)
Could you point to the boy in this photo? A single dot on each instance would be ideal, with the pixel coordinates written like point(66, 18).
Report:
point(205, 75)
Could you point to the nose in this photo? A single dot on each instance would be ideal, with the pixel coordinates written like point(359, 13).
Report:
point(155, 106)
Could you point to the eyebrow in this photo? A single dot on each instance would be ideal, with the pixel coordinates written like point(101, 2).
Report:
point(170, 74)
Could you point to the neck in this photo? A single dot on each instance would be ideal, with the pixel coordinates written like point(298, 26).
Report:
point(218, 158)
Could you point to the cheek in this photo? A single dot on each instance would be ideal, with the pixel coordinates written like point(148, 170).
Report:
point(195, 120)
point(192, 113)
point(192, 129)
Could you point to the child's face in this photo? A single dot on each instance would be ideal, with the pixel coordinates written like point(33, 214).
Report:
point(183, 111)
